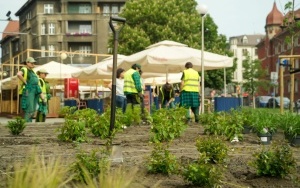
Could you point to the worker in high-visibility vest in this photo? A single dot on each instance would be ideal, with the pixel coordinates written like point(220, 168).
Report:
point(45, 87)
point(133, 87)
point(166, 96)
point(190, 91)
point(31, 91)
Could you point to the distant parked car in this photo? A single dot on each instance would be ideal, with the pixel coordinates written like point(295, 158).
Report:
point(286, 102)
point(262, 101)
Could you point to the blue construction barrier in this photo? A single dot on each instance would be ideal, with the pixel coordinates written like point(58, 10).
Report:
point(226, 103)
point(96, 104)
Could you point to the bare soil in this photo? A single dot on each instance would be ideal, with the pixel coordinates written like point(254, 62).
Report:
point(135, 146)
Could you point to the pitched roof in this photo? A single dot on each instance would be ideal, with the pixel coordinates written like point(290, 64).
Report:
point(11, 28)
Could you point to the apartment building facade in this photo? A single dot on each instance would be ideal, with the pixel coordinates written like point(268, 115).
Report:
point(243, 46)
point(51, 26)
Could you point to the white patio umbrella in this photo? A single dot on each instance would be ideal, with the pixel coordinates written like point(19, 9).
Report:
point(156, 81)
point(170, 57)
point(98, 70)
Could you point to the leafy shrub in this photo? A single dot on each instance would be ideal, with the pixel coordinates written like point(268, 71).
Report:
point(213, 148)
point(277, 161)
point(89, 164)
point(101, 124)
point(202, 174)
point(161, 161)
point(87, 115)
point(67, 110)
point(72, 130)
point(168, 124)
point(16, 126)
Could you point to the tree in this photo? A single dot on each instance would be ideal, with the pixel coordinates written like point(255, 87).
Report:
point(253, 76)
point(151, 21)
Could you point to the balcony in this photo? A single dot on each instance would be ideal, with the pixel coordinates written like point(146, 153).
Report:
point(78, 34)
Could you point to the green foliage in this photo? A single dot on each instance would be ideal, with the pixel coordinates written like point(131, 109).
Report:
point(213, 149)
point(132, 115)
point(162, 161)
point(229, 124)
point(72, 130)
point(16, 126)
point(87, 115)
point(168, 124)
point(253, 75)
point(90, 162)
point(101, 124)
point(277, 161)
point(290, 124)
point(67, 110)
point(203, 174)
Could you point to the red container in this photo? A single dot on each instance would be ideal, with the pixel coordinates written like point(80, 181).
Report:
point(71, 87)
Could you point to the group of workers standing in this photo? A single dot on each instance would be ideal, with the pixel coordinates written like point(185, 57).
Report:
point(34, 91)
point(130, 87)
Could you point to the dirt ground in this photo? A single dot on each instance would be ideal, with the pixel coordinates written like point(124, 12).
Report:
point(134, 143)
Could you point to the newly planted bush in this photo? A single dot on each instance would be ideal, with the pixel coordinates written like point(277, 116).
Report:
point(168, 124)
point(162, 161)
point(213, 148)
point(277, 161)
point(202, 174)
point(72, 130)
point(16, 126)
point(89, 164)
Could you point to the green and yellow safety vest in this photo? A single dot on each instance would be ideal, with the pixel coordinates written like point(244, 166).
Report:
point(129, 82)
point(191, 80)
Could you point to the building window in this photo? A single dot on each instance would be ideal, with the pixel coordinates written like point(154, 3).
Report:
point(81, 8)
point(28, 15)
point(43, 54)
point(115, 10)
point(51, 29)
point(85, 29)
point(51, 51)
point(85, 50)
point(255, 52)
point(43, 29)
point(245, 52)
point(296, 41)
point(48, 9)
point(106, 10)
point(282, 47)
point(245, 40)
point(296, 86)
point(289, 86)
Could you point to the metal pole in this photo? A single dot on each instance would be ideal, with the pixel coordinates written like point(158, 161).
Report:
point(202, 64)
point(114, 73)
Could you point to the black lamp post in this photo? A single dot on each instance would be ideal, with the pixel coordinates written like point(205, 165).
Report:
point(116, 32)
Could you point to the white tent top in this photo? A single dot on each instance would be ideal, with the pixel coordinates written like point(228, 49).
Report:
point(170, 57)
point(55, 70)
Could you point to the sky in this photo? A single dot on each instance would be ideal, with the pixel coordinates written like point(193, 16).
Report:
point(233, 17)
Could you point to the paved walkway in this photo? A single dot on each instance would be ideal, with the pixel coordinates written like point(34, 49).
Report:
point(4, 120)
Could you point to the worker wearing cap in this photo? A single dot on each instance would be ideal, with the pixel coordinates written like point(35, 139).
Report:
point(133, 87)
point(45, 87)
point(31, 91)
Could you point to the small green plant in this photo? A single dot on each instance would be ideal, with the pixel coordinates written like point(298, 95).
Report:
point(277, 161)
point(202, 174)
point(90, 162)
point(213, 148)
point(16, 126)
point(162, 161)
point(168, 124)
point(72, 130)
